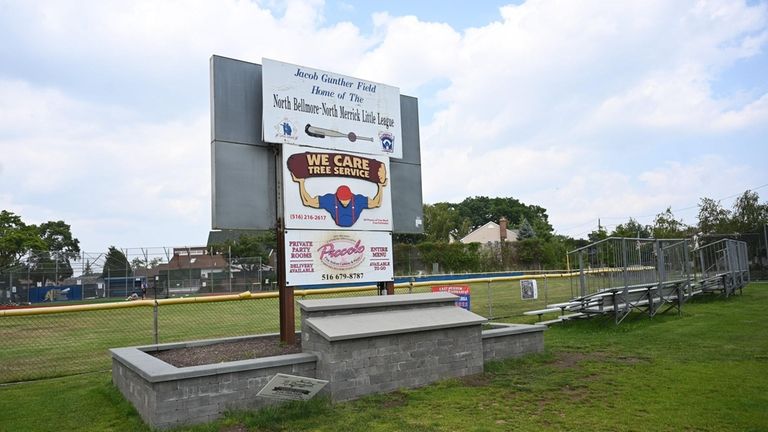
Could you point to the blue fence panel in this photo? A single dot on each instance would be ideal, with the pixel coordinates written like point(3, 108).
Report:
point(54, 294)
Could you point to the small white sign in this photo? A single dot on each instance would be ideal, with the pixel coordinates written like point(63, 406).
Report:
point(528, 289)
point(290, 387)
point(328, 110)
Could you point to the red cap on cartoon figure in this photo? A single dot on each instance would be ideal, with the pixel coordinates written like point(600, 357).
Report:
point(343, 193)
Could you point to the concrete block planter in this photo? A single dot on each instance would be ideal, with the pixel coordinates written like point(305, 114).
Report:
point(360, 345)
point(167, 396)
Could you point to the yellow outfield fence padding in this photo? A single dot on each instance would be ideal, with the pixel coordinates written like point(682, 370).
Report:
point(51, 341)
point(247, 295)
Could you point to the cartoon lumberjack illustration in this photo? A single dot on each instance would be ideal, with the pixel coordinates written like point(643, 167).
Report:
point(343, 206)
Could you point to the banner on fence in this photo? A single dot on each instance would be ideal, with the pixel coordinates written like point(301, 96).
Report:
point(462, 291)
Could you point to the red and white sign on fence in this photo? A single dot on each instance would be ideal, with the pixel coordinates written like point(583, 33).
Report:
point(463, 291)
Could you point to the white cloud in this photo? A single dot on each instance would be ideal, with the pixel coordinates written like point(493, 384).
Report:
point(542, 104)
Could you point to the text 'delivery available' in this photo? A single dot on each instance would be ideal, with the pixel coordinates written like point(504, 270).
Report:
point(322, 257)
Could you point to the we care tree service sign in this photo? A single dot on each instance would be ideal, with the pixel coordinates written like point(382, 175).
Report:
point(323, 109)
point(335, 191)
point(331, 257)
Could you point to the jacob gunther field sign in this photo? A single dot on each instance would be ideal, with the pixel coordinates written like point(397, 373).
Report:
point(324, 109)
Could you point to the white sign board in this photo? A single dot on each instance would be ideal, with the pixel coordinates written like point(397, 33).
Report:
point(323, 109)
point(528, 289)
point(332, 257)
point(333, 190)
point(290, 387)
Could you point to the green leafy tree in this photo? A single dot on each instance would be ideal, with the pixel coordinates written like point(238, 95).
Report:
point(116, 264)
point(665, 226)
point(480, 210)
point(442, 222)
point(748, 213)
point(555, 250)
point(54, 263)
point(599, 234)
point(143, 264)
point(16, 239)
point(713, 218)
point(248, 251)
point(633, 229)
point(531, 252)
point(451, 257)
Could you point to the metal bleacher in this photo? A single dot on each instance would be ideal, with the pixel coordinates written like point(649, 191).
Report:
point(617, 276)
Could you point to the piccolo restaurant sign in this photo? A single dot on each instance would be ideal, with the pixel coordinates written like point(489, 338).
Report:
point(331, 257)
point(324, 109)
point(334, 190)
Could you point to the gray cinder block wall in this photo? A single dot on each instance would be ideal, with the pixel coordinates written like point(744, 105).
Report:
point(380, 344)
point(166, 396)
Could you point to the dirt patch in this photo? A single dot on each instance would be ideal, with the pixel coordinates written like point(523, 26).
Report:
point(477, 380)
point(227, 351)
point(631, 360)
point(395, 400)
point(568, 360)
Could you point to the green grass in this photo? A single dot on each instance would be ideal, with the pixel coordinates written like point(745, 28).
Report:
point(43, 346)
point(706, 370)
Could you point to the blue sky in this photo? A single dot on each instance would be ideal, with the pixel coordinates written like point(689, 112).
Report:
point(589, 109)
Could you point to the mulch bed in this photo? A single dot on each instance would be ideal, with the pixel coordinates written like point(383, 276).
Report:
point(227, 351)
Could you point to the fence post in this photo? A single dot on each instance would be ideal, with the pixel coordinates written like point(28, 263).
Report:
point(546, 291)
point(155, 310)
point(490, 306)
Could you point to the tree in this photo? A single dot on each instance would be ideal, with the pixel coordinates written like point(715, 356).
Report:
point(248, 251)
point(16, 239)
point(480, 210)
point(525, 230)
point(442, 222)
point(633, 229)
point(116, 264)
point(713, 218)
point(748, 213)
point(145, 264)
point(599, 234)
point(530, 251)
point(451, 257)
point(88, 271)
point(54, 263)
point(665, 226)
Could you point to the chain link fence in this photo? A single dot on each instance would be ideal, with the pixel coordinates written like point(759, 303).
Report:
point(59, 343)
